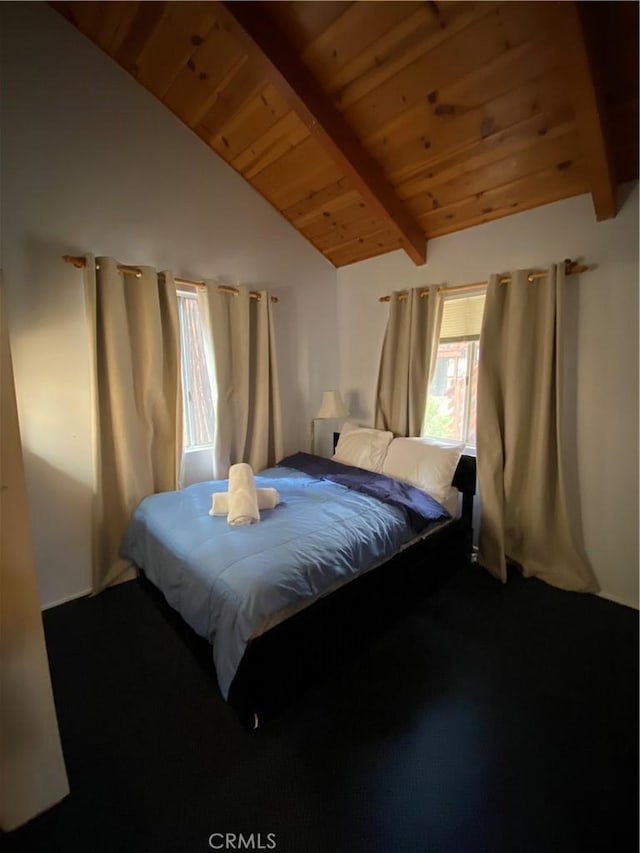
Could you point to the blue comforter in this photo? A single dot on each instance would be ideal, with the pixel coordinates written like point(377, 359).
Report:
point(233, 583)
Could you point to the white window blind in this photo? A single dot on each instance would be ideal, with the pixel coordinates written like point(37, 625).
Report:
point(462, 318)
point(196, 385)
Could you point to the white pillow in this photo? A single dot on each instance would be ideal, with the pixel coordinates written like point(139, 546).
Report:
point(363, 447)
point(423, 462)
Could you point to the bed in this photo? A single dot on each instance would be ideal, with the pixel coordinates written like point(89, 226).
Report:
point(270, 597)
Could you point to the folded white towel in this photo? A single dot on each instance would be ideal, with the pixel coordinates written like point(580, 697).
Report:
point(243, 496)
point(267, 499)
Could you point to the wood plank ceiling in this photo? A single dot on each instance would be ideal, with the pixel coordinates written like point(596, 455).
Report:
point(373, 126)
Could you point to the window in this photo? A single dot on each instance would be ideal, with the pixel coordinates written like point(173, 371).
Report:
point(451, 404)
point(198, 419)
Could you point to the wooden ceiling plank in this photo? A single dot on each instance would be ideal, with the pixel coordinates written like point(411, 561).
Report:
point(469, 50)
point(276, 142)
point(587, 99)
point(399, 49)
point(579, 188)
point(195, 88)
point(127, 15)
point(296, 190)
point(545, 154)
point(533, 190)
point(313, 204)
point(403, 152)
point(390, 43)
point(247, 22)
point(363, 23)
point(329, 208)
point(173, 44)
point(255, 118)
point(148, 17)
point(348, 234)
point(455, 54)
point(338, 216)
point(354, 232)
point(202, 109)
point(489, 149)
point(417, 123)
point(244, 85)
point(456, 132)
point(108, 23)
point(299, 172)
point(362, 255)
point(364, 247)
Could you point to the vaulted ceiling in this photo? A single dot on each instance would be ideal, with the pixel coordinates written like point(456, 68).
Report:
point(373, 126)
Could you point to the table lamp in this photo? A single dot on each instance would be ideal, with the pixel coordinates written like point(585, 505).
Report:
point(331, 407)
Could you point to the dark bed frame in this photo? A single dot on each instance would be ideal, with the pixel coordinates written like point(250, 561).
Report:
point(298, 652)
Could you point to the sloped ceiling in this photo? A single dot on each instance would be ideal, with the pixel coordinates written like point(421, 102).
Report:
point(373, 126)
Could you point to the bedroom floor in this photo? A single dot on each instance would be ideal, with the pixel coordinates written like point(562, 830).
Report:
point(491, 718)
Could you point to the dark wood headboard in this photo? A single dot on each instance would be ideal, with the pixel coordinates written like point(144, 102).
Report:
point(464, 479)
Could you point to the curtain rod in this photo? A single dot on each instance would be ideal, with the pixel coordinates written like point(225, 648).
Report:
point(79, 262)
point(570, 268)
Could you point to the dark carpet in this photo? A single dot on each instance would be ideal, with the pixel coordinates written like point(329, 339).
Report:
point(489, 718)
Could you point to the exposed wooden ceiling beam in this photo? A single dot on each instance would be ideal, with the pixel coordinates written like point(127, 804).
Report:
point(250, 25)
point(589, 109)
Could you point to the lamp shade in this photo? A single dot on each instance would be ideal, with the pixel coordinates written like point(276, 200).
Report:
point(332, 406)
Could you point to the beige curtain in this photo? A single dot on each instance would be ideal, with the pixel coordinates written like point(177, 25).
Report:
point(32, 771)
point(137, 400)
point(407, 361)
point(241, 352)
point(524, 505)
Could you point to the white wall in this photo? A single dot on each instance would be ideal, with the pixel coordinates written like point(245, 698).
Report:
point(91, 162)
point(601, 405)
